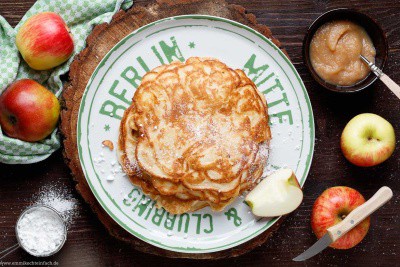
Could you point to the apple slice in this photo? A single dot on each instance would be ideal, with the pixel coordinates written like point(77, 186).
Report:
point(276, 195)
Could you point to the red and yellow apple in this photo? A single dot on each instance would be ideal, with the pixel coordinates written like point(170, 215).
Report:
point(331, 207)
point(28, 111)
point(278, 194)
point(44, 41)
point(368, 140)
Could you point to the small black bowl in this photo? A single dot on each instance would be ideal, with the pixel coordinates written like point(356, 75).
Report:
point(373, 29)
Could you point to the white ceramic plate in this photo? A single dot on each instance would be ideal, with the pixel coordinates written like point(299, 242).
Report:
point(111, 89)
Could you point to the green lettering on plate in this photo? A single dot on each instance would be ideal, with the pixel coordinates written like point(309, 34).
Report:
point(256, 72)
point(198, 216)
point(119, 95)
point(186, 222)
point(142, 205)
point(232, 213)
point(210, 218)
point(169, 221)
point(111, 109)
point(282, 116)
point(157, 217)
point(172, 51)
point(131, 75)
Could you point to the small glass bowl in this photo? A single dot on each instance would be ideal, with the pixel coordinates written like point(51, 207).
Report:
point(30, 208)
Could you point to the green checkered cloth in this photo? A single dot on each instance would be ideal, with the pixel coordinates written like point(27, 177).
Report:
point(81, 16)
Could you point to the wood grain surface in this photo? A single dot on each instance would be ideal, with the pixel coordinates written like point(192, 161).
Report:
point(89, 244)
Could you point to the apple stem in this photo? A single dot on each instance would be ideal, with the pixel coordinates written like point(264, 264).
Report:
point(343, 216)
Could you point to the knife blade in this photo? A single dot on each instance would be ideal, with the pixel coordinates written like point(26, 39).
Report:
point(383, 195)
point(318, 246)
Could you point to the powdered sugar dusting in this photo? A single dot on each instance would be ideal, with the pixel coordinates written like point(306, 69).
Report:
point(263, 151)
point(61, 199)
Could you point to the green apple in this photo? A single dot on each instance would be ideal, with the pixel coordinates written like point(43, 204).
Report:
point(276, 195)
point(368, 140)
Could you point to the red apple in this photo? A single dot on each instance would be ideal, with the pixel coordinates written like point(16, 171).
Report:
point(28, 111)
point(368, 140)
point(331, 207)
point(44, 41)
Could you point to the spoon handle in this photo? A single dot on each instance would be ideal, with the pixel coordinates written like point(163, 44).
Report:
point(8, 251)
point(394, 87)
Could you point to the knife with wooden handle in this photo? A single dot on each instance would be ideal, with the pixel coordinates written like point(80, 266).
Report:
point(352, 219)
point(394, 87)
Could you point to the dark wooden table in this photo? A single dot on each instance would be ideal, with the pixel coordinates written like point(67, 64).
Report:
point(90, 245)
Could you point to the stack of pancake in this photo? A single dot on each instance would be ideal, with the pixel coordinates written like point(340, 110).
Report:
point(195, 135)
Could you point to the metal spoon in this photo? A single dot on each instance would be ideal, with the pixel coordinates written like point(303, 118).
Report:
point(394, 87)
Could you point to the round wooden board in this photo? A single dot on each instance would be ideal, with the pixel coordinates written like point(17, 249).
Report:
point(99, 42)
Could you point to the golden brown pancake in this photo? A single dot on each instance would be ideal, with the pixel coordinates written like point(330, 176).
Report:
point(195, 135)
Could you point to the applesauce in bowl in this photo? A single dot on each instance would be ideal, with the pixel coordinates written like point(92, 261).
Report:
point(333, 44)
point(335, 51)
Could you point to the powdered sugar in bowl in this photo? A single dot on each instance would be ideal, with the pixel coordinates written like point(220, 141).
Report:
point(41, 231)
